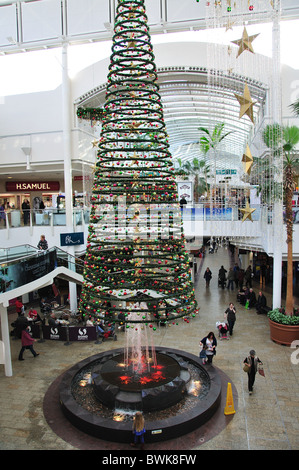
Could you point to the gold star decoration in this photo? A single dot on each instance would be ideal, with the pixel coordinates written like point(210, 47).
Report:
point(229, 25)
point(247, 160)
point(247, 212)
point(246, 103)
point(94, 143)
point(245, 42)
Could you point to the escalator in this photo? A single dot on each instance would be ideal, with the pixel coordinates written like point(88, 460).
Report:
point(24, 265)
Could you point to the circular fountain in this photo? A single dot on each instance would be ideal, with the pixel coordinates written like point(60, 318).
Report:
point(176, 394)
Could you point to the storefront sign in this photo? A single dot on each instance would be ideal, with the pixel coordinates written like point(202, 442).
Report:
point(70, 239)
point(28, 186)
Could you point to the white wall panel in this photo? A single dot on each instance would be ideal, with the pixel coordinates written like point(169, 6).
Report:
point(153, 11)
point(178, 10)
point(8, 24)
point(41, 20)
point(87, 16)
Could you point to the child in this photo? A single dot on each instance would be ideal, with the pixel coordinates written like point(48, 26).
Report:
point(138, 429)
point(203, 355)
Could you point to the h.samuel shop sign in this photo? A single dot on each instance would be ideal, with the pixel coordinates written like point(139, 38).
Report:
point(12, 186)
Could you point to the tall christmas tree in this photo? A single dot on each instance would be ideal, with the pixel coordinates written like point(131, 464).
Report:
point(136, 248)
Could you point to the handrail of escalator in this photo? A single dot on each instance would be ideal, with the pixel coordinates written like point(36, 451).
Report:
point(38, 252)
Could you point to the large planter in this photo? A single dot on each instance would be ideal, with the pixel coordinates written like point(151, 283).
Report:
point(283, 334)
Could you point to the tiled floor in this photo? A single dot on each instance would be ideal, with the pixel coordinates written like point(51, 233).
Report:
point(269, 419)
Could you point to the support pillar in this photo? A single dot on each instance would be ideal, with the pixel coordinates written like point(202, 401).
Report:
point(67, 146)
point(6, 341)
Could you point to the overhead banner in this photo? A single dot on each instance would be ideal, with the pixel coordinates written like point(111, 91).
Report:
point(185, 189)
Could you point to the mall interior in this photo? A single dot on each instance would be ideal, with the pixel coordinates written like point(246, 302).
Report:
point(228, 77)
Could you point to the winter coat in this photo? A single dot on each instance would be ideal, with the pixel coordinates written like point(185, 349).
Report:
point(27, 340)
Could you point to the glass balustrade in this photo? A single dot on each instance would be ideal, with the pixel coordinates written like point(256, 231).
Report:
point(194, 212)
point(22, 264)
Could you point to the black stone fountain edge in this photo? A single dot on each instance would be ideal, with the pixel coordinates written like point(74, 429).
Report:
point(160, 430)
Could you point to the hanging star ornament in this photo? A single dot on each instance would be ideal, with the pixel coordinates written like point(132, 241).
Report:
point(247, 160)
point(247, 212)
point(94, 143)
point(246, 103)
point(245, 42)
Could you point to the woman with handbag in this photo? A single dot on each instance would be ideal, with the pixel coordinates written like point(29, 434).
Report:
point(210, 343)
point(251, 364)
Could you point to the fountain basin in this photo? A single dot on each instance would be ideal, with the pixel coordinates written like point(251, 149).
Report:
point(155, 387)
point(167, 424)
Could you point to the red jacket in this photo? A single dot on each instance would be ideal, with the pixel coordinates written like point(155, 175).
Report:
point(19, 306)
point(27, 340)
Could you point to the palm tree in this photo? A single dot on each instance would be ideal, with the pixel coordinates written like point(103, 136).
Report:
point(295, 107)
point(285, 139)
point(199, 170)
point(211, 140)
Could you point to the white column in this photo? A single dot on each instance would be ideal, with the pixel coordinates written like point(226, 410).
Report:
point(67, 138)
point(6, 341)
point(67, 146)
point(277, 222)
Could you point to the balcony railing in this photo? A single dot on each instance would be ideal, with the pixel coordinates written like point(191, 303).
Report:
point(47, 217)
point(195, 212)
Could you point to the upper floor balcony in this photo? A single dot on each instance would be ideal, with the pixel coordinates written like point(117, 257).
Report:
point(199, 221)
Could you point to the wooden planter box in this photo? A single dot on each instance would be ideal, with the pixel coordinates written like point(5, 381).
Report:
point(283, 334)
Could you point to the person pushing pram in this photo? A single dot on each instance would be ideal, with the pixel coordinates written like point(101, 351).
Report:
point(222, 329)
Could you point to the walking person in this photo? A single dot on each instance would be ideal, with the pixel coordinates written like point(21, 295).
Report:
point(222, 276)
point(210, 342)
point(27, 343)
point(230, 315)
point(138, 429)
point(231, 279)
point(208, 276)
point(252, 362)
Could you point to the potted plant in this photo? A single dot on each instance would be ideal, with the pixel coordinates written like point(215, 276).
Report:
point(284, 329)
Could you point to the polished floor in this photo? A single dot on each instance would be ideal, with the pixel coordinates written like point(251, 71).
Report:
point(266, 420)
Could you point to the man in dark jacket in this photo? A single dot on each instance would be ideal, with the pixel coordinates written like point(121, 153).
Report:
point(222, 276)
point(252, 298)
point(261, 303)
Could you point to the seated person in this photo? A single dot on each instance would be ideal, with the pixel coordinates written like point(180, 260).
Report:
point(44, 307)
point(89, 322)
point(242, 296)
point(34, 316)
point(100, 327)
point(52, 321)
point(261, 303)
point(251, 298)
